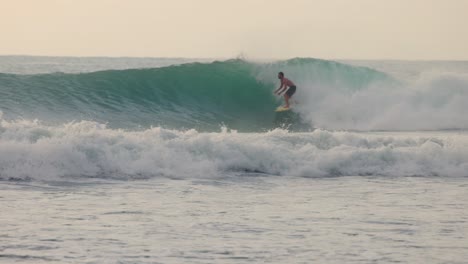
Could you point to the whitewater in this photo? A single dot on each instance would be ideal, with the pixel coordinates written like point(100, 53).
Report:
point(156, 160)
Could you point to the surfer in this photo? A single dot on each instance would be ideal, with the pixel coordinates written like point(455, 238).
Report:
point(285, 83)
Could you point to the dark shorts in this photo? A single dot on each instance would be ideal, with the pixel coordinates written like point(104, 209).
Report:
point(291, 91)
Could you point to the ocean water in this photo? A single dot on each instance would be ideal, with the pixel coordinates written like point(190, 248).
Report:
point(147, 160)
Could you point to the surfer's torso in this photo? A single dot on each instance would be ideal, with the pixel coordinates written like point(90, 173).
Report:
point(287, 82)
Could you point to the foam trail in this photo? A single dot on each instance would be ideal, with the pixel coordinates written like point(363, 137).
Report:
point(435, 101)
point(31, 150)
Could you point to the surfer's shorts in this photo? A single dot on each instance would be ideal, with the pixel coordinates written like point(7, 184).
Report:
point(291, 91)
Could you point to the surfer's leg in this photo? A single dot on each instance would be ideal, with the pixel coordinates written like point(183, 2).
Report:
point(286, 99)
point(289, 93)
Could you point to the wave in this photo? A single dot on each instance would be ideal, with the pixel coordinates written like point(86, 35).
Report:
point(204, 96)
point(238, 94)
point(30, 150)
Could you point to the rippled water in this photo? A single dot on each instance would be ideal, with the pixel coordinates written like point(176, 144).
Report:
point(236, 219)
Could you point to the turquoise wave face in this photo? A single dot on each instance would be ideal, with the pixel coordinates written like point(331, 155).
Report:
point(204, 96)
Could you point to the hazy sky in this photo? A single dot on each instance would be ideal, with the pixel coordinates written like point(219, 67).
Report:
point(346, 29)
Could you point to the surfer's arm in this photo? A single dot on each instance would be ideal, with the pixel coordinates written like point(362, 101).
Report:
point(282, 90)
point(277, 91)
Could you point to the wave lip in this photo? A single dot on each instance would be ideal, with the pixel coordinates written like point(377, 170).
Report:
point(204, 96)
point(238, 94)
point(30, 150)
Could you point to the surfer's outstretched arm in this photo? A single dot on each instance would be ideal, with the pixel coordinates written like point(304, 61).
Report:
point(279, 90)
point(276, 91)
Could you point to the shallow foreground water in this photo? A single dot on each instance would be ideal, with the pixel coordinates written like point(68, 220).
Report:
point(236, 219)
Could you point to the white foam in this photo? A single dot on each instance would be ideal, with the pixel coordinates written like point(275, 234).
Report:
point(429, 100)
point(29, 149)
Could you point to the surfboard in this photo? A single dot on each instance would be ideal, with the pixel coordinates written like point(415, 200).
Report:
point(282, 109)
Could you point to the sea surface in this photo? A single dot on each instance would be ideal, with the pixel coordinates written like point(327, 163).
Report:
point(174, 160)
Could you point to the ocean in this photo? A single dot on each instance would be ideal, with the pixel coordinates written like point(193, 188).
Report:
point(176, 160)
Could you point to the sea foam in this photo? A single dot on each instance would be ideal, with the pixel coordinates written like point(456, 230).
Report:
point(31, 150)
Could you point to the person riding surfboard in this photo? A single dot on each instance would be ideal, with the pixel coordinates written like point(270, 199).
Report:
point(285, 83)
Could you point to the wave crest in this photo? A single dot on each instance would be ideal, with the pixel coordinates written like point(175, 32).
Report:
point(204, 96)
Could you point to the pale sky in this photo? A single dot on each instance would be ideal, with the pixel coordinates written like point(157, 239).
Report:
point(330, 29)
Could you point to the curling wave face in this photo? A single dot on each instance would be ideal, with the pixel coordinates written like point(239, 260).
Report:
point(203, 96)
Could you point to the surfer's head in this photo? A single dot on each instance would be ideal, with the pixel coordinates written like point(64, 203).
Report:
point(280, 75)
